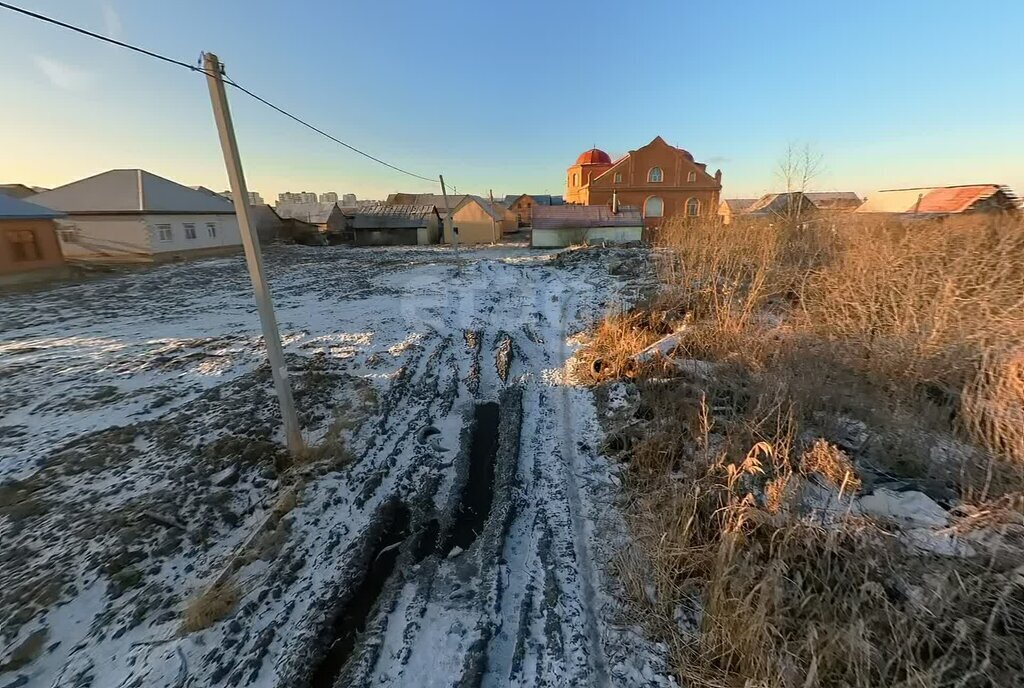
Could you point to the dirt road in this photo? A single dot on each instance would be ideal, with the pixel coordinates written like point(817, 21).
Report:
point(453, 527)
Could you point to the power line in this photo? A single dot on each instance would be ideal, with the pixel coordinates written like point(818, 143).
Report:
point(194, 68)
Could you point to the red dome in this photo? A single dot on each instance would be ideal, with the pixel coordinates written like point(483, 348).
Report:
point(594, 156)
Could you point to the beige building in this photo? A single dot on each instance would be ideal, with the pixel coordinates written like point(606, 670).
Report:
point(478, 221)
point(29, 250)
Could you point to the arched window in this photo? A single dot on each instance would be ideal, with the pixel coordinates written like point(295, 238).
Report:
point(691, 177)
point(692, 207)
point(654, 175)
point(575, 179)
point(618, 177)
point(654, 207)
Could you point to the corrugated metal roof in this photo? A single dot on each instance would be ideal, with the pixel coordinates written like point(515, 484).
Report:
point(131, 191)
point(930, 200)
point(738, 205)
point(955, 199)
point(834, 200)
point(426, 199)
point(315, 213)
point(16, 208)
point(585, 216)
point(391, 216)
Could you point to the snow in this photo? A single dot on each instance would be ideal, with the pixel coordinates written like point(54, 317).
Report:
point(138, 401)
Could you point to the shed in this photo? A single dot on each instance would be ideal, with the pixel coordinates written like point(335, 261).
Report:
point(563, 225)
point(328, 218)
point(729, 208)
point(29, 248)
point(479, 221)
point(395, 225)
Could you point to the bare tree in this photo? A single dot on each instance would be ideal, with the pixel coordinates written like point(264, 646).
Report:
point(799, 166)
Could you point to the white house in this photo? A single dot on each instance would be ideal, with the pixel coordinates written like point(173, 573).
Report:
point(136, 216)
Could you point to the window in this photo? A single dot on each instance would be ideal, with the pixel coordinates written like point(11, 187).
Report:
point(24, 247)
point(691, 177)
point(692, 207)
point(190, 230)
point(575, 179)
point(654, 207)
point(68, 236)
point(618, 177)
point(211, 229)
point(165, 233)
point(654, 175)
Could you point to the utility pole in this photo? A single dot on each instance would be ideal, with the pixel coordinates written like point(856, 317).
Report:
point(448, 216)
point(494, 224)
point(253, 257)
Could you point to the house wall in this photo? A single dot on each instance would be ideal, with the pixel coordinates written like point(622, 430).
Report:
point(431, 234)
point(128, 238)
point(50, 259)
point(475, 226)
point(387, 237)
point(120, 238)
point(558, 238)
point(725, 212)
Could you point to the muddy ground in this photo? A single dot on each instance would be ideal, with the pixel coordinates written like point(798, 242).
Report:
point(452, 524)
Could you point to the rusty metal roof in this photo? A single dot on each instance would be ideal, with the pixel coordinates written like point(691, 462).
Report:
point(930, 200)
point(390, 216)
point(582, 216)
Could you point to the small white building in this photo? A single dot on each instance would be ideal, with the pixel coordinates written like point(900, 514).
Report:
point(136, 216)
point(557, 226)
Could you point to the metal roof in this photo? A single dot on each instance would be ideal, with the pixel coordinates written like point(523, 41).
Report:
point(11, 207)
point(315, 213)
point(585, 216)
point(426, 199)
point(934, 200)
point(738, 205)
point(131, 191)
point(833, 200)
point(391, 216)
point(538, 199)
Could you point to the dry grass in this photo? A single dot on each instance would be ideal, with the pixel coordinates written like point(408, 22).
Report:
point(210, 606)
point(912, 331)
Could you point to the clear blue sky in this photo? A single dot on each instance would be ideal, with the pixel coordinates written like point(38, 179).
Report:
point(505, 95)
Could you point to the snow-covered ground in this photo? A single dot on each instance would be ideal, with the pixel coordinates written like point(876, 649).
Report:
point(453, 523)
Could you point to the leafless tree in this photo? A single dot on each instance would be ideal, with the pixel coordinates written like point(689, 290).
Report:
point(797, 169)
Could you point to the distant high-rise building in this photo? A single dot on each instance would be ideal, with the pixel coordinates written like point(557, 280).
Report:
point(254, 197)
point(348, 200)
point(329, 197)
point(301, 197)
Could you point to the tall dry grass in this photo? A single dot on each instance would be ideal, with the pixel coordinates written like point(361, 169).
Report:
point(917, 330)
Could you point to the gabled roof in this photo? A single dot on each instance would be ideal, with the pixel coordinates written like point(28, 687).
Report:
point(931, 200)
point(11, 207)
point(833, 200)
point(131, 191)
point(391, 216)
point(738, 205)
point(585, 216)
point(425, 199)
point(495, 211)
point(778, 203)
point(315, 213)
point(20, 190)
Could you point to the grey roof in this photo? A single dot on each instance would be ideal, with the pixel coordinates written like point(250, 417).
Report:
point(425, 199)
point(131, 191)
point(834, 200)
point(16, 208)
point(315, 213)
point(779, 203)
point(19, 190)
point(585, 216)
point(738, 205)
point(391, 216)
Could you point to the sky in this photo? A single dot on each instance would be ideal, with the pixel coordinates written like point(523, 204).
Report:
point(503, 96)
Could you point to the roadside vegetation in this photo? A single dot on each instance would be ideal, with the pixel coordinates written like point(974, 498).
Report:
point(824, 428)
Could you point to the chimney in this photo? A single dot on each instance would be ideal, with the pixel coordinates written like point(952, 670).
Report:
point(615, 202)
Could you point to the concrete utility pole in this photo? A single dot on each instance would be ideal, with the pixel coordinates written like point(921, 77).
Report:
point(494, 224)
point(253, 257)
point(448, 216)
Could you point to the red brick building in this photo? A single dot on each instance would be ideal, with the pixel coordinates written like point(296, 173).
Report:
point(662, 180)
